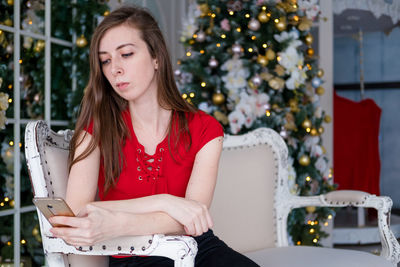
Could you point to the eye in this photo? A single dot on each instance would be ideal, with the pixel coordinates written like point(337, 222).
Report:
point(127, 54)
point(104, 62)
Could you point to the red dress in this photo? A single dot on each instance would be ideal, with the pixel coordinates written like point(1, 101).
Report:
point(144, 175)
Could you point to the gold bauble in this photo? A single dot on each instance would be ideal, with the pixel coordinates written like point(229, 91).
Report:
point(39, 46)
point(270, 54)
point(311, 209)
point(262, 60)
point(327, 119)
point(309, 39)
point(10, 2)
point(8, 22)
point(35, 231)
point(263, 17)
point(320, 73)
point(314, 132)
point(306, 124)
point(204, 9)
point(106, 13)
point(218, 98)
point(276, 83)
point(304, 160)
point(321, 130)
point(81, 41)
point(310, 51)
point(320, 90)
point(281, 25)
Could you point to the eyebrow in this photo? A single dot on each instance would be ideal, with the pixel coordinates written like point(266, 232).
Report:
point(118, 47)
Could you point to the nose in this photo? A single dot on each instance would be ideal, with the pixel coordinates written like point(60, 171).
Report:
point(116, 68)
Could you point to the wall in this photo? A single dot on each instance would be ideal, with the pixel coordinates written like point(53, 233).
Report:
point(381, 64)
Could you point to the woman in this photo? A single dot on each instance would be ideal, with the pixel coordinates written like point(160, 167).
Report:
point(152, 157)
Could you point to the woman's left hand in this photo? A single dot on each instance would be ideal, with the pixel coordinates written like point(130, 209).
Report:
point(92, 225)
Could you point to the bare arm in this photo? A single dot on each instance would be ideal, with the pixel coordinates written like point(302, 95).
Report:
point(154, 214)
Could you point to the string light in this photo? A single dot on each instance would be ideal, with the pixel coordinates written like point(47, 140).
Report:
point(308, 130)
point(264, 45)
point(298, 243)
point(278, 58)
point(20, 144)
point(231, 13)
point(10, 100)
point(8, 243)
point(267, 113)
point(10, 86)
point(6, 199)
point(20, 61)
point(188, 54)
point(250, 50)
point(308, 178)
point(276, 20)
point(330, 216)
point(247, 15)
point(213, 15)
point(218, 45)
point(312, 230)
point(178, 62)
point(201, 51)
point(238, 29)
point(2, 204)
point(23, 241)
point(253, 37)
point(30, 22)
point(326, 223)
point(191, 94)
point(264, 8)
point(315, 240)
point(194, 36)
point(11, 143)
point(203, 84)
point(184, 96)
point(223, 36)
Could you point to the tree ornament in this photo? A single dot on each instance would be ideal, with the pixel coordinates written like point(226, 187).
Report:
point(236, 48)
point(310, 51)
point(281, 24)
point(306, 124)
point(81, 41)
point(10, 2)
point(270, 54)
point(327, 119)
point(276, 83)
point(204, 9)
point(254, 25)
point(320, 73)
point(321, 130)
point(320, 90)
point(262, 60)
point(314, 132)
point(308, 39)
point(304, 160)
point(106, 13)
point(311, 209)
point(263, 17)
point(200, 36)
point(39, 46)
point(9, 49)
point(256, 80)
point(316, 82)
point(8, 22)
point(177, 72)
point(218, 98)
point(283, 133)
point(213, 63)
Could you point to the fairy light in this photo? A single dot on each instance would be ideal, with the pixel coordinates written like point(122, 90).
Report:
point(203, 84)
point(247, 15)
point(311, 223)
point(20, 144)
point(326, 224)
point(308, 130)
point(218, 45)
point(194, 36)
point(8, 243)
point(201, 51)
point(264, 45)
point(298, 243)
point(11, 143)
point(308, 178)
point(296, 18)
point(231, 13)
point(264, 8)
point(312, 230)
point(253, 37)
point(300, 67)
point(238, 29)
point(315, 240)
point(191, 95)
point(330, 216)
point(250, 50)
point(10, 86)
point(223, 36)
point(20, 61)
point(315, 222)
point(30, 22)
point(188, 54)
point(2, 204)
point(184, 96)
point(278, 58)
point(6, 199)
point(213, 15)
point(308, 222)
point(276, 20)
point(23, 241)
point(10, 100)
point(267, 113)
point(178, 62)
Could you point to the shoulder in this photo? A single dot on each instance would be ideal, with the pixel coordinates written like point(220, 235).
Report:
point(203, 128)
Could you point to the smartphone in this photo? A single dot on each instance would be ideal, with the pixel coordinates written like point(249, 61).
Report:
point(53, 207)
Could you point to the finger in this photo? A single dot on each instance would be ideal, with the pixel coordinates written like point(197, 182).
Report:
point(198, 226)
point(189, 229)
point(68, 221)
point(209, 220)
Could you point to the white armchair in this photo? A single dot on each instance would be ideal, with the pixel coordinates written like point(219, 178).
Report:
point(252, 202)
point(46, 155)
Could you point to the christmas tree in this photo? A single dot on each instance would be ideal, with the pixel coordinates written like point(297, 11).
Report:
point(70, 22)
point(250, 63)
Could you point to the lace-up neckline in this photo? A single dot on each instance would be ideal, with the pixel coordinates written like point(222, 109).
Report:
point(150, 167)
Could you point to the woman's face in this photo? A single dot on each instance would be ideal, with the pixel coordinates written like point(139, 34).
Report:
point(127, 64)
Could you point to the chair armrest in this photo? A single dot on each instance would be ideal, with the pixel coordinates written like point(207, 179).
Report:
point(343, 198)
point(173, 247)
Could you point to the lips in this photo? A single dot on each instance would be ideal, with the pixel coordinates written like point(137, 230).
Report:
point(122, 85)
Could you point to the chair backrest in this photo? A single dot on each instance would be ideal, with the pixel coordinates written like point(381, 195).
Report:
point(252, 170)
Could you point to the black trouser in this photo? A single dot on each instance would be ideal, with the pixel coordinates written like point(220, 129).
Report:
point(212, 253)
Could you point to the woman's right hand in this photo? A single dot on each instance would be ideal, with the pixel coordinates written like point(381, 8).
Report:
point(193, 215)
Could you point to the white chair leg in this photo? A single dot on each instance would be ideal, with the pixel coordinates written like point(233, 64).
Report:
point(360, 217)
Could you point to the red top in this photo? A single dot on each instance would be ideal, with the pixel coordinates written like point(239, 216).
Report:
point(144, 175)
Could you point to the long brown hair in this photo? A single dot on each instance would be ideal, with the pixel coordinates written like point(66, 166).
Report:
point(103, 106)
